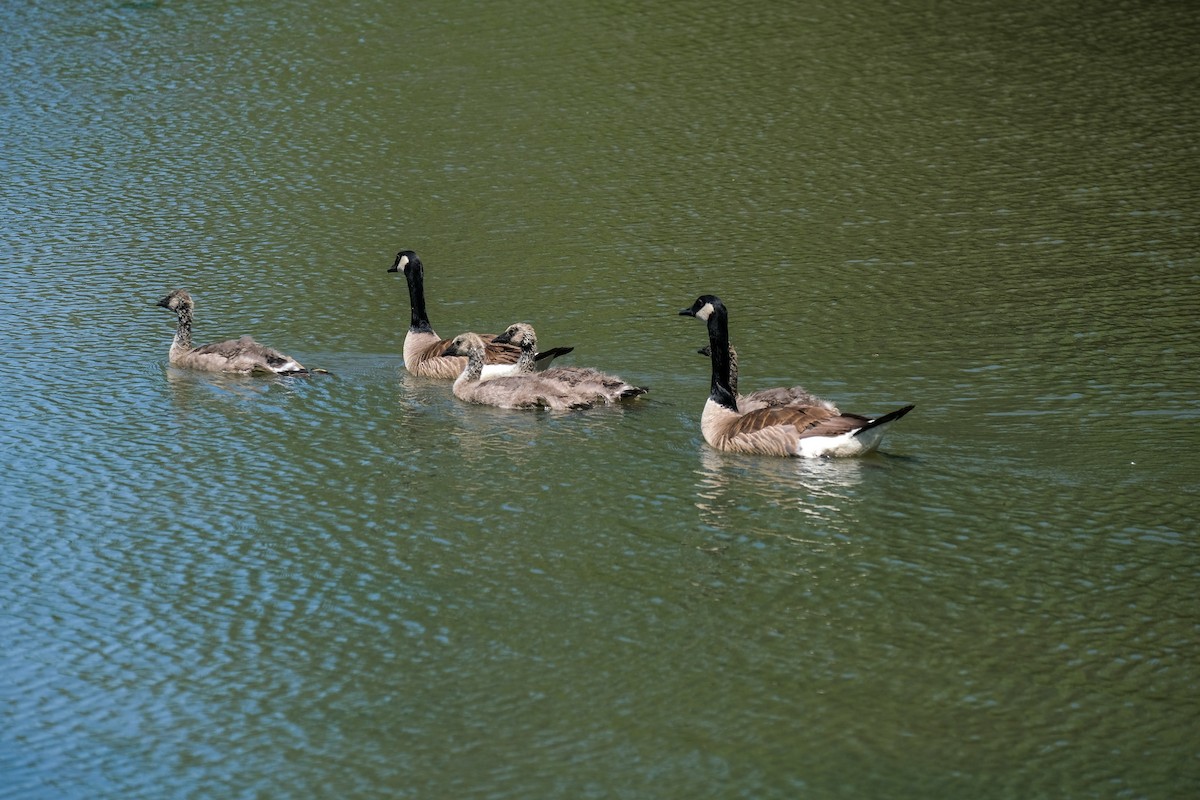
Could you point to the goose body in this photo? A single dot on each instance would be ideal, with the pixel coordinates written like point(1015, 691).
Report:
point(523, 390)
point(425, 353)
point(242, 355)
point(806, 431)
point(581, 379)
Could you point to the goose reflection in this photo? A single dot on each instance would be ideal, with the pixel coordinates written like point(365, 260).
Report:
point(521, 436)
point(822, 490)
point(191, 388)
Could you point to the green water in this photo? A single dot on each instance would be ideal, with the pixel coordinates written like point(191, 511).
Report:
point(356, 586)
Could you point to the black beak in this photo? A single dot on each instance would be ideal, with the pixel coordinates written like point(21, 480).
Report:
point(395, 267)
point(687, 312)
point(164, 303)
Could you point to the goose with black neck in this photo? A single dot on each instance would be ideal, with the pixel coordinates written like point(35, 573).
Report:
point(804, 431)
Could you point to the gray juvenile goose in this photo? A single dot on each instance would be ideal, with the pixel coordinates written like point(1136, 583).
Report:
point(807, 431)
point(525, 390)
point(425, 352)
point(242, 355)
point(610, 387)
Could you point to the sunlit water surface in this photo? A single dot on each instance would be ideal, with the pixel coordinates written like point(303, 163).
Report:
point(353, 585)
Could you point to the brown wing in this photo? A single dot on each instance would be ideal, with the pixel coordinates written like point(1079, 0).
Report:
point(802, 418)
point(499, 353)
point(493, 353)
point(244, 347)
point(777, 431)
point(230, 348)
point(835, 425)
point(241, 355)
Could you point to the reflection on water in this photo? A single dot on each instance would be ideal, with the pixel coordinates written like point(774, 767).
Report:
point(228, 404)
point(821, 490)
point(189, 385)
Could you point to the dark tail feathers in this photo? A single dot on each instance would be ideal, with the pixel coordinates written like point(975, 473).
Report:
point(552, 353)
point(885, 419)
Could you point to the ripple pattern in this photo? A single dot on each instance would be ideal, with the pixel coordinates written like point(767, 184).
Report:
point(354, 583)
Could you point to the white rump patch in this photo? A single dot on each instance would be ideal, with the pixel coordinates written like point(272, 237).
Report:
point(845, 445)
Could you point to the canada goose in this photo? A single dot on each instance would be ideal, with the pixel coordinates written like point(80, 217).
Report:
point(425, 351)
point(768, 398)
point(610, 386)
point(807, 431)
point(526, 390)
point(242, 355)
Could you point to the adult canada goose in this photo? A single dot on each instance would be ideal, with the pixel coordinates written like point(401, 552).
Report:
point(807, 431)
point(766, 398)
point(612, 387)
point(242, 355)
point(525, 390)
point(425, 351)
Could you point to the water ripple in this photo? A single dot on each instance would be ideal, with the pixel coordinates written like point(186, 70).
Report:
point(354, 580)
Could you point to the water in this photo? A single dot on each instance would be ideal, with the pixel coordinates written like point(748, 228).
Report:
point(355, 586)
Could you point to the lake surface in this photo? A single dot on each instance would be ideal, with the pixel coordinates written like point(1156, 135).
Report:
point(355, 586)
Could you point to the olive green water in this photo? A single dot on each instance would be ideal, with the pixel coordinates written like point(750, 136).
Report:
point(355, 586)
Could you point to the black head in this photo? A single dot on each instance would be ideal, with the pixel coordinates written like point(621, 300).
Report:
point(704, 307)
point(405, 259)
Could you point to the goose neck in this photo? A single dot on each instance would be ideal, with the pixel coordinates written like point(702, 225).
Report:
point(415, 277)
point(474, 368)
point(528, 360)
point(720, 390)
point(183, 330)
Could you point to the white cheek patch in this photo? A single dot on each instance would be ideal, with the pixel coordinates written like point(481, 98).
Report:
point(705, 312)
point(403, 262)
